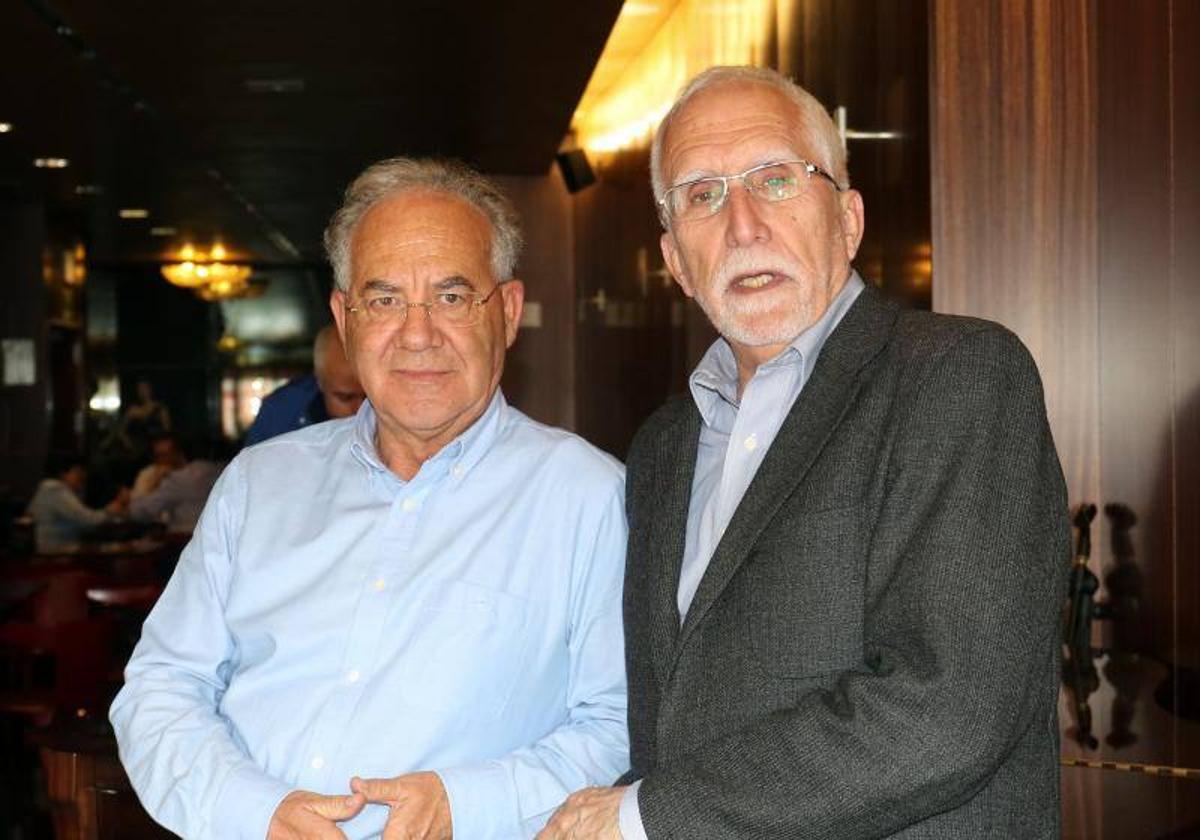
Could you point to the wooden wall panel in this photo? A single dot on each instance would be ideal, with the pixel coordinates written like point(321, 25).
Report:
point(1135, 287)
point(1013, 194)
point(1185, 295)
point(632, 346)
point(1066, 199)
point(539, 373)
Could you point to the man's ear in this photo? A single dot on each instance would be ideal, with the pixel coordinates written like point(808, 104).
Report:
point(852, 219)
point(337, 305)
point(674, 263)
point(512, 296)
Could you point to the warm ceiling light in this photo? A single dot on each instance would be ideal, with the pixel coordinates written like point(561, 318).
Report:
point(5, 127)
point(653, 49)
point(163, 231)
point(208, 273)
point(133, 213)
point(51, 163)
point(88, 189)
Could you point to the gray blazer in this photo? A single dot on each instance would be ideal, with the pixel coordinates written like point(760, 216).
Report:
point(873, 650)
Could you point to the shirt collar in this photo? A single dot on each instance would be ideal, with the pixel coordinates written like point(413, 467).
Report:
point(716, 377)
point(456, 458)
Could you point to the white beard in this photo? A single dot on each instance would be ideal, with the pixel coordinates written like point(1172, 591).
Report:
point(748, 319)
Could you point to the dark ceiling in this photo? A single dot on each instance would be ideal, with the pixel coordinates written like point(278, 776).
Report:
point(247, 119)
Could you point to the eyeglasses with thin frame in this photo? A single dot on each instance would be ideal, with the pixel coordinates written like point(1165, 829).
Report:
point(779, 180)
point(451, 307)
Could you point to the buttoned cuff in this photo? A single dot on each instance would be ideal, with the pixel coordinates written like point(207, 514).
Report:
point(483, 802)
point(629, 818)
point(246, 803)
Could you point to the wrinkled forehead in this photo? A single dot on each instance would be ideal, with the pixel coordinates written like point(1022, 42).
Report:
point(419, 236)
point(730, 127)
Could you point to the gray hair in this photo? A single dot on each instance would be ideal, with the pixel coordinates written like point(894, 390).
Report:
point(399, 175)
point(820, 133)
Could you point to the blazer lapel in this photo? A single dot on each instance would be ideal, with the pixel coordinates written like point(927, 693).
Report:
point(818, 410)
point(676, 466)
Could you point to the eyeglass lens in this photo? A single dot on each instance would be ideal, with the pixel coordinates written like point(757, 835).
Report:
point(705, 197)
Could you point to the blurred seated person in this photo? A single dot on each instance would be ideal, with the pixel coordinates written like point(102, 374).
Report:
point(178, 487)
point(330, 391)
point(166, 456)
point(61, 518)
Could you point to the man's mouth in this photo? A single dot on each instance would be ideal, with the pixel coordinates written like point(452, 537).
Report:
point(759, 280)
point(756, 281)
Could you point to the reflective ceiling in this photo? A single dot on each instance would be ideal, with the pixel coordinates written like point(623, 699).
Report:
point(247, 119)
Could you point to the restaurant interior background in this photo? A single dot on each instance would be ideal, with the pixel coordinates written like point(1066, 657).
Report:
point(1031, 161)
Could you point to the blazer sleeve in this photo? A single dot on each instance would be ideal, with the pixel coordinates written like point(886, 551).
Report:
point(966, 567)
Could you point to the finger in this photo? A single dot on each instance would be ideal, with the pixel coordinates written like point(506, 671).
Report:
point(376, 790)
point(338, 808)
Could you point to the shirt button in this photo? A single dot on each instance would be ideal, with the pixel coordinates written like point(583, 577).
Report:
point(379, 585)
point(352, 676)
point(751, 443)
point(409, 505)
point(457, 471)
point(317, 763)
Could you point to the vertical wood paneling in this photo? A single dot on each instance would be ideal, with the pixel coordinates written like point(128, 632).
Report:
point(1185, 309)
point(539, 372)
point(1066, 204)
point(1135, 295)
point(1013, 193)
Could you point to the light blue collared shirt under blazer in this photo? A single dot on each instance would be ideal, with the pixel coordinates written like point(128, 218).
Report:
point(329, 620)
point(735, 435)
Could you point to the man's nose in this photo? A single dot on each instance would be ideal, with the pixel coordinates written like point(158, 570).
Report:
point(418, 331)
point(744, 222)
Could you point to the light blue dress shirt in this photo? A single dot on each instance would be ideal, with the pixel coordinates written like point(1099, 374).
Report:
point(735, 435)
point(329, 620)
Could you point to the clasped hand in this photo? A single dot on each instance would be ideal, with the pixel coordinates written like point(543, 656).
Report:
point(417, 810)
point(588, 814)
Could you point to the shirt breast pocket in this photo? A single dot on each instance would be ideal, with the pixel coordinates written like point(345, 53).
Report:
point(468, 648)
point(804, 585)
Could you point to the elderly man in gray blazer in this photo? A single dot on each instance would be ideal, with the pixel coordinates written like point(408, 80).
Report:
point(848, 544)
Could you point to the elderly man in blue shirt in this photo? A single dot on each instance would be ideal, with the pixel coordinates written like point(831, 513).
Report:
point(407, 621)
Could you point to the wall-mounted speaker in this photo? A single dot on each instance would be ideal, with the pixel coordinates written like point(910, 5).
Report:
point(576, 170)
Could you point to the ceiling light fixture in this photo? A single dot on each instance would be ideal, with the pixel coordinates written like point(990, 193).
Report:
point(51, 163)
point(133, 213)
point(88, 189)
point(163, 230)
point(210, 274)
point(5, 127)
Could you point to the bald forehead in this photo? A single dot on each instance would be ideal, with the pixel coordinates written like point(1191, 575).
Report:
point(422, 212)
point(418, 232)
point(729, 115)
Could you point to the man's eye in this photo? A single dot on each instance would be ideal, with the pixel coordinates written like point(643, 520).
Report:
point(383, 303)
point(451, 300)
point(702, 194)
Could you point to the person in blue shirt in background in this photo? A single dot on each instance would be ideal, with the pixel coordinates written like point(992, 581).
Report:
point(330, 391)
point(407, 621)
